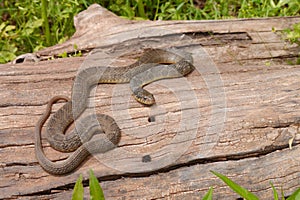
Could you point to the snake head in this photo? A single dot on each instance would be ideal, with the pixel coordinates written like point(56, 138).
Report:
point(143, 96)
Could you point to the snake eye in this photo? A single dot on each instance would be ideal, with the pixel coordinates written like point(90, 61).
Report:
point(144, 97)
point(148, 99)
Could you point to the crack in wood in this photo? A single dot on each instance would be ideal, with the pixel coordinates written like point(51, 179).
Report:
point(40, 193)
point(243, 36)
point(42, 80)
point(13, 164)
point(275, 125)
point(26, 105)
point(266, 58)
point(20, 104)
point(33, 72)
point(15, 145)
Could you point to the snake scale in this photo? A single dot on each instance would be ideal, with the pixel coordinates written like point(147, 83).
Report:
point(87, 137)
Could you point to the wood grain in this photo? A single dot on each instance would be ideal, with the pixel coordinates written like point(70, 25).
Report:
point(243, 100)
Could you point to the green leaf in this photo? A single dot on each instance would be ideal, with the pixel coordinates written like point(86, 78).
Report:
point(96, 192)
point(9, 28)
point(235, 187)
point(282, 194)
point(2, 26)
point(78, 189)
point(274, 191)
point(272, 4)
point(36, 23)
point(208, 195)
point(141, 8)
point(6, 56)
point(75, 46)
point(180, 6)
point(63, 55)
point(295, 195)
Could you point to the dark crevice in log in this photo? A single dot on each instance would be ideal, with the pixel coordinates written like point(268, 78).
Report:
point(12, 164)
point(277, 124)
point(42, 80)
point(274, 59)
point(73, 53)
point(34, 72)
point(42, 193)
point(15, 145)
point(22, 105)
point(210, 39)
point(232, 36)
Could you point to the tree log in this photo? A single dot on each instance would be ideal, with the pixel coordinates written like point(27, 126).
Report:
point(235, 114)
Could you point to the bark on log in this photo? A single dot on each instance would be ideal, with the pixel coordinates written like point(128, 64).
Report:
point(235, 115)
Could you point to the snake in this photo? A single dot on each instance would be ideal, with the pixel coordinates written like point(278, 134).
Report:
point(153, 65)
point(106, 142)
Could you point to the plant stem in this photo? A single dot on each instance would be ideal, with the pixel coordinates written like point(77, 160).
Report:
point(46, 22)
point(141, 9)
point(156, 11)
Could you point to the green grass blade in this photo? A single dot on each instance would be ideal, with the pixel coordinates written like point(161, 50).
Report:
point(141, 9)
point(78, 189)
point(274, 191)
point(208, 195)
point(46, 22)
point(235, 187)
point(282, 194)
point(295, 195)
point(96, 192)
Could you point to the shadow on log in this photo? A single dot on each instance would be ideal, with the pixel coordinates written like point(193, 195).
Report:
point(235, 114)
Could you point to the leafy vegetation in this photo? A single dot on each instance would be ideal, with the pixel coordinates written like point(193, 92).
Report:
point(30, 25)
point(293, 36)
point(244, 193)
point(25, 27)
point(96, 192)
point(78, 191)
point(236, 188)
point(208, 195)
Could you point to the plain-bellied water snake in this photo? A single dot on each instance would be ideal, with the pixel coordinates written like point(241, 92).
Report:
point(154, 64)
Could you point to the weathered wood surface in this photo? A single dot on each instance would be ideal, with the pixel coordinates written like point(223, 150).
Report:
point(246, 107)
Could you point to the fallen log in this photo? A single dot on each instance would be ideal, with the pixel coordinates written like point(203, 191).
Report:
point(235, 114)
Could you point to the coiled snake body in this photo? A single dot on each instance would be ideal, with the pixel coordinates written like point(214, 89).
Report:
point(150, 67)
